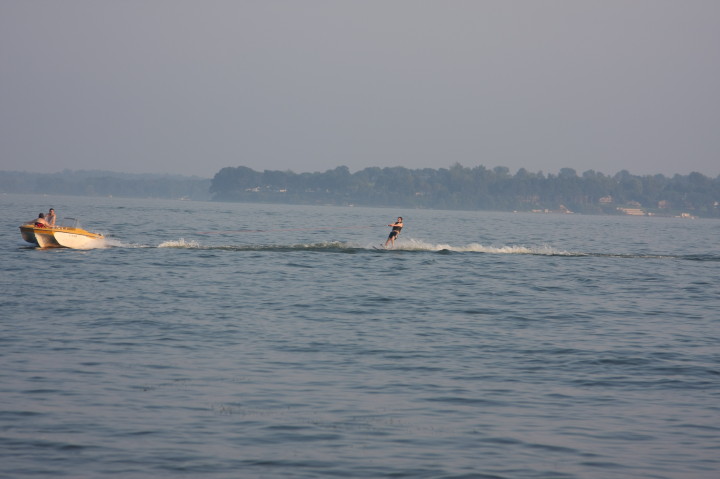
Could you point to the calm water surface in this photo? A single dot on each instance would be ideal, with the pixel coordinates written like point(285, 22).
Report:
point(237, 340)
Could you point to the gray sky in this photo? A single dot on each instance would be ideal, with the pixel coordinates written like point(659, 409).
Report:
point(189, 87)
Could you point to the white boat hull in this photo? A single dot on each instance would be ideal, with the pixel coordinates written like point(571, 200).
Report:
point(61, 237)
point(77, 241)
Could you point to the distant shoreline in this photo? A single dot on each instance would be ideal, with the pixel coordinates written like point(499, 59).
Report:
point(457, 188)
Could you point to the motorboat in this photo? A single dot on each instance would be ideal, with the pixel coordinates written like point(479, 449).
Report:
point(68, 235)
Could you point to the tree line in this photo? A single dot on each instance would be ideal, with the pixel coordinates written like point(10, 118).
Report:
point(477, 188)
point(457, 187)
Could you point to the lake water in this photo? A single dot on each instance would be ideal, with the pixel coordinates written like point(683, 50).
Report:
point(228, 340)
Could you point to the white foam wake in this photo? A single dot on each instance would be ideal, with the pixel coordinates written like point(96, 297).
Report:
point(180, 244)
point(419, 245)
point(408, 244)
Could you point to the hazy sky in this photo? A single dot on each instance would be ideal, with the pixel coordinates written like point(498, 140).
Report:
point(189, 87)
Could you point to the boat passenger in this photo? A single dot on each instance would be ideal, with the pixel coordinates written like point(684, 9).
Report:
point(40, 221)
point(50, 217)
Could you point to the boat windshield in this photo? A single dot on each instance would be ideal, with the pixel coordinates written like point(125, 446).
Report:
point(70, 223)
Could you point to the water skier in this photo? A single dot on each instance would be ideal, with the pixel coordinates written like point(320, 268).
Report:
point(396, 228)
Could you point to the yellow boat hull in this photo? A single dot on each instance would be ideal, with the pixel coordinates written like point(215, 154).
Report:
point(61, 237)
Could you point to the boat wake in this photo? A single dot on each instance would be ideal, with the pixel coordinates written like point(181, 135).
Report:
point(181, 244)
point(418, 245)
point(409, 245)
point(412, 245)
point(406, 245)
